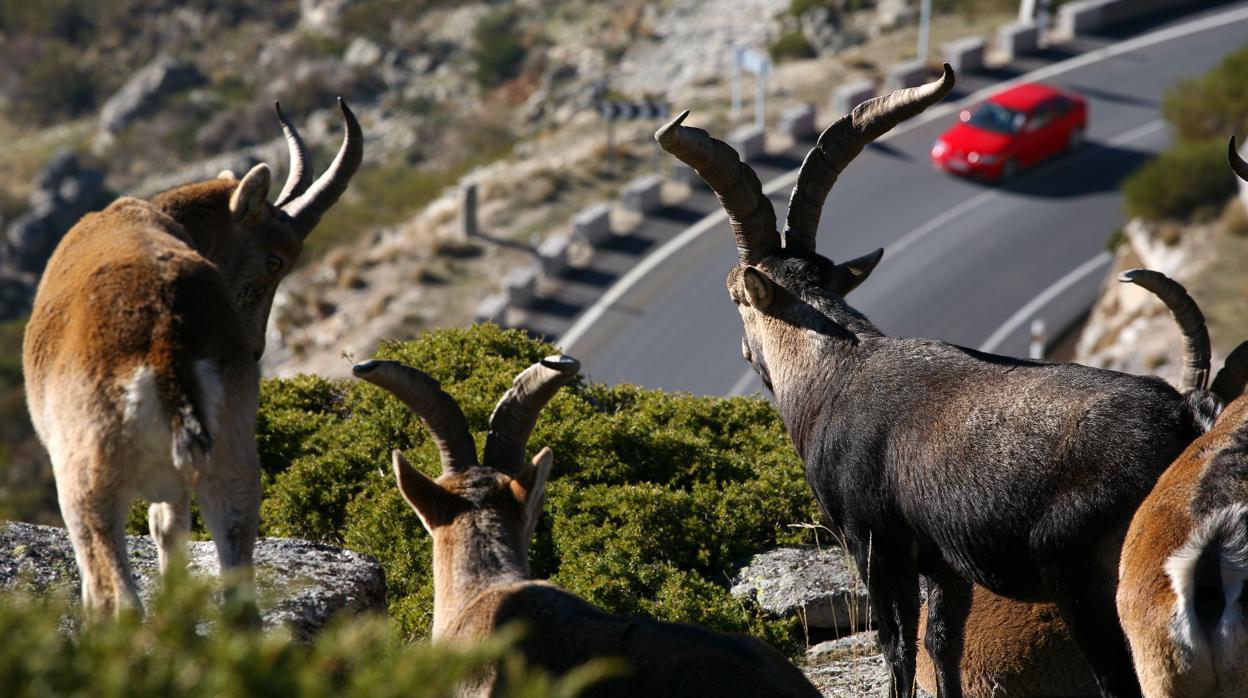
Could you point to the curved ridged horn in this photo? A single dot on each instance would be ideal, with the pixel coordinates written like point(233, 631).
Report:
point(1237, 162)
point(438, 411)
point(750, 214)
point(299, 177)
point(1230, 381)
point(306, 209)
point(516, 413)
point(1191, 322)
point(840, 143)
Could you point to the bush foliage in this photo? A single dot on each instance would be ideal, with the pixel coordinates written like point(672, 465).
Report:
point(496, 48)
point(1189, 181)
point(176, 652)
point(652, 500)
point(1214, 106)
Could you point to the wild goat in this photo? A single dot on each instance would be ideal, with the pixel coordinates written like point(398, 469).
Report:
point(1015, 649)
point(141, 357)
point(936, 459)
point(1185, 559)
point(482, 518)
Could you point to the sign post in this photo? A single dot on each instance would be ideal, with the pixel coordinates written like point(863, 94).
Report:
point(627, 111)
point(925, 27)
point(759, 65)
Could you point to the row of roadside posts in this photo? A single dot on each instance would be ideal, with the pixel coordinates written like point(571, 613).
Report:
point(744, 60)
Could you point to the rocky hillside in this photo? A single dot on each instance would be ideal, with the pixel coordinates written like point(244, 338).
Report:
point(107, 97)
point(1130, 330)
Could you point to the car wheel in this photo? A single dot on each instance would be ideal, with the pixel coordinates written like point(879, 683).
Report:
point(1075, 139)
point(1008, 170)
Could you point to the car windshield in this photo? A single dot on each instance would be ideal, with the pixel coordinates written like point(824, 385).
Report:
point(994, 117)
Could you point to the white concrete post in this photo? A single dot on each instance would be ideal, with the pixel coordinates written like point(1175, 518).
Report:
point(468, 211)
point(1036, 349)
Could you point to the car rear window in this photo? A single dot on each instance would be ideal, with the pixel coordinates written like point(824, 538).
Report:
point(994, 117)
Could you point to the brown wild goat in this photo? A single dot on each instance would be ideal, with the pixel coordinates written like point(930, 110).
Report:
point(1184, 563)
point(935, 459)
point(482, 516)
point(1015, 649)
point(141, 357)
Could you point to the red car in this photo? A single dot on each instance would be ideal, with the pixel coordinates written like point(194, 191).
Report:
point(1014, 129)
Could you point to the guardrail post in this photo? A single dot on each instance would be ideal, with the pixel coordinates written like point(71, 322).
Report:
point(1036, 349)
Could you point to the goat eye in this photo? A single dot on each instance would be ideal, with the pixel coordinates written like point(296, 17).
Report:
point(274, 263)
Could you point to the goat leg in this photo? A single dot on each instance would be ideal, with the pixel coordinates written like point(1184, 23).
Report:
point(1076, 583)
point(169, 523)
point(893, 584)
point(230, 506)
point(948, 605)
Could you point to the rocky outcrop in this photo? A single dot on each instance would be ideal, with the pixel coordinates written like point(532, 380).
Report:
point(64, 191)
point(301, 585)
point(817, 585)
point(143, 93)
point(1128, 329)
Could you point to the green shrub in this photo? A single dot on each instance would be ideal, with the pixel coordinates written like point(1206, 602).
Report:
point(191, 647)
point(53, 86)
point(1214, 106)
point(791, 46)
point(1191, 180)
point(653, 499)
point(496, 48)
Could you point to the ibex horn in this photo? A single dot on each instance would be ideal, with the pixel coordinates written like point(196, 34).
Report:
point(439, 412)
point(1191, 322)
point(516, 413)
point(299, 177)
point(306, 209)
point(750, 214)
point(840, 143)
point(1230, 381)
point(1237, 162)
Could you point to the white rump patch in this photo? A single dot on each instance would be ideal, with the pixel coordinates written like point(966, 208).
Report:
point(1228, 528)
point(142, 400)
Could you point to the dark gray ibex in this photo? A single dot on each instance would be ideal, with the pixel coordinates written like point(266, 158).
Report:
point(936, 459)
point(482, 515)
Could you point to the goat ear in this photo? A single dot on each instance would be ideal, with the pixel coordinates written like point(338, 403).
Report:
point(428, 498)
point(529, 488)
point(226, 174)
point(250, 198)
point(758, 288)
point(855, 271)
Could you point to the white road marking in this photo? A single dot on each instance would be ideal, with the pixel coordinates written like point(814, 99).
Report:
point(595, 312)
point(743, 382)
point(1097, 264)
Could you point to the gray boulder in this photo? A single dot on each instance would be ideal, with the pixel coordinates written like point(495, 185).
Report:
point(849, 667)
point(301, 585)
point(144, 91)
point(817, 584)
point(64, 191)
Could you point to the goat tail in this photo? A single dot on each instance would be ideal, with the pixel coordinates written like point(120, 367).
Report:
point(196, 413)
point(1207, 575)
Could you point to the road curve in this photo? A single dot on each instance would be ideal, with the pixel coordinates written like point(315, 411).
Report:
point(961, 258)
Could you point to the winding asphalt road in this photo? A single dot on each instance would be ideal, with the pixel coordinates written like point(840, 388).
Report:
point(960, 258)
